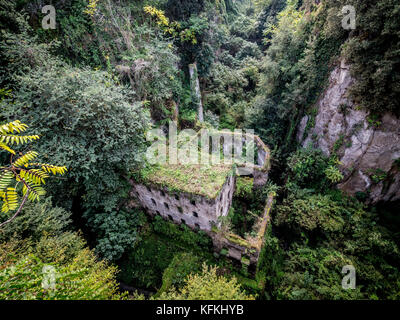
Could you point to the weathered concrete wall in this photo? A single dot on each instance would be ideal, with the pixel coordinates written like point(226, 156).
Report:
point(234, 250)
point(195, 211)
point(201, 213)
point(224, 199)
point(195, 85)
point(249, 248)
point(232, 144)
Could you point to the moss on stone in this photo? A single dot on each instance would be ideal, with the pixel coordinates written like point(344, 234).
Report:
point(244, 187)
point(198, 179)
point(238, 240)
point(245, 261)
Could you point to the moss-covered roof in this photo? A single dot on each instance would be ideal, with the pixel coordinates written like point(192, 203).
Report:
point(199, 179)
point(205, 179)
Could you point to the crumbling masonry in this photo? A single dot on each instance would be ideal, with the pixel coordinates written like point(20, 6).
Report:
point(196, 211)
point(201, 212)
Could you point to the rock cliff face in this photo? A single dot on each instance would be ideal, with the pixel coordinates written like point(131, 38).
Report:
point(368, 150)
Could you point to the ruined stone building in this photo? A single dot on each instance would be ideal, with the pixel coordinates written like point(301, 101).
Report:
point(198, 210)
point(199, 196)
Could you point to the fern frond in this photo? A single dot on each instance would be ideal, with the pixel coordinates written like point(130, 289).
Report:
point(15, 126)
point(20, 170)
point(6, 147)
point(10, 200)
point(50, 168)
point(23, 160)
point(35, 192)
point(6, 177)
point(35, 176)
point(13, 139)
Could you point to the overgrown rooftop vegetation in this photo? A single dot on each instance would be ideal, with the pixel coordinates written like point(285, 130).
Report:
point(198, 179)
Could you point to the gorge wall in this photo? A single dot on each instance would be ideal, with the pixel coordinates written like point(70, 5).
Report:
point(369, 151)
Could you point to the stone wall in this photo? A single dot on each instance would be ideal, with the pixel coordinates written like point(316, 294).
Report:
point(248, 250)
point(231, 144)
point(196, 211)
point(195, 87)
point(199, 212)
point(234, 247)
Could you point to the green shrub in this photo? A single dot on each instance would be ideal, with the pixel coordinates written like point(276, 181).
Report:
point(207, 286)
point(315, 274)
point(82, 279)
point(311, 214)
point(333, 174)
point(115, 231)
point(180, 267)
point(306, 167)
point(35, 220)
point(38, 240)
point(323, 233)
point(377, 175)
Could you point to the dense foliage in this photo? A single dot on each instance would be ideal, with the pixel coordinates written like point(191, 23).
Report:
point(38, 243)
point(372, 51)
point(87, 121)
point(115, 231)
point(93, 87)
point(161, 242)
point(328, 232)
point(207, 286)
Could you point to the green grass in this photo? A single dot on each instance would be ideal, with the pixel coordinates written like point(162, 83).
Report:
point(204, 180)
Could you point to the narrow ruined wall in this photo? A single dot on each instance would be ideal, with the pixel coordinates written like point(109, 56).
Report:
point(195, 85)
point(232, 144)
point(224, 199)
point(250, 248)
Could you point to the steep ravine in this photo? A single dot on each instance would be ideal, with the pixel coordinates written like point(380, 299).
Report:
point(369, 151)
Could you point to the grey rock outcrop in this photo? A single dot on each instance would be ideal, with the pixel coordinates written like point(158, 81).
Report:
point(369, 152)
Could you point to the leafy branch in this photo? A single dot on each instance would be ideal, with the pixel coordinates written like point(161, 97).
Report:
point(21, 174)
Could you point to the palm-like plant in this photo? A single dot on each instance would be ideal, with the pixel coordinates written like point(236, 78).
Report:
point(22, 175)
